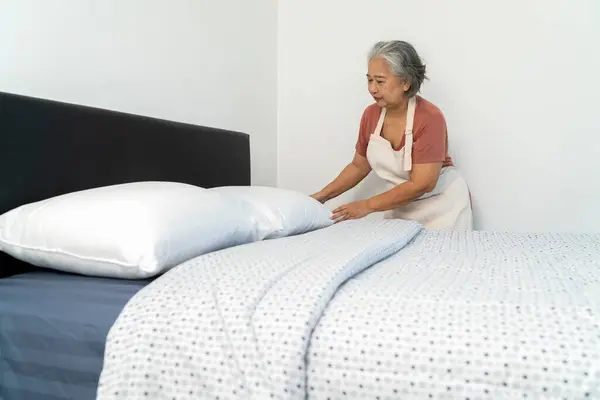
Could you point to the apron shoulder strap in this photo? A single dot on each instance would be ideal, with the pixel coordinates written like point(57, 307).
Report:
point(408, 133)
point(380, 122)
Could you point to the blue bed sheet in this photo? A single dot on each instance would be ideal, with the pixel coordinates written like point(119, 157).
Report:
point(53, 329)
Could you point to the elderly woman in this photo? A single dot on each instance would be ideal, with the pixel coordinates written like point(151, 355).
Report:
point(403, 138)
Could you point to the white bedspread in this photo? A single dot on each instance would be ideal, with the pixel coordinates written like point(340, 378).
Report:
point(236, 324)
point(466, 316)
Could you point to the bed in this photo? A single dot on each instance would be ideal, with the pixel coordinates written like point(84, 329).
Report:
point(53, 325)
point(378, 309)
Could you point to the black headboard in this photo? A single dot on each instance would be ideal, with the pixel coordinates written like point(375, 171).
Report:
point(48, 148)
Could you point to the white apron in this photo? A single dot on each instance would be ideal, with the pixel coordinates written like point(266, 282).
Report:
point(448, 206)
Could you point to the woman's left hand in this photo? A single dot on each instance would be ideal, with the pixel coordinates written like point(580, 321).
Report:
point(355, 210)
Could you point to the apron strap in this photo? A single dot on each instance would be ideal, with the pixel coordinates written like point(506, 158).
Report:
point(380, 122)
point(408, 133)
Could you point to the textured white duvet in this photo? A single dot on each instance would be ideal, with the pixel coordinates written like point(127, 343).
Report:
point(447, 316)
point(236, 324)
point(466, 316)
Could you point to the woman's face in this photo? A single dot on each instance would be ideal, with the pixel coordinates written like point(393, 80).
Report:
point(385, 87)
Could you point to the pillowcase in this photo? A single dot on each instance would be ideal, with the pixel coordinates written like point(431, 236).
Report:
point(133, 230)
point(280, 212)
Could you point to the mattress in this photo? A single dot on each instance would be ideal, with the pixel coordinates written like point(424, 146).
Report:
point(53, 328)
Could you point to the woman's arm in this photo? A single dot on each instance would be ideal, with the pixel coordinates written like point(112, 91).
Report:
point(350, 176)
point(428, 155)
point(423, 179)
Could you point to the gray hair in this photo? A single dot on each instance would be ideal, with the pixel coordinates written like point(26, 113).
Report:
point(404, 61)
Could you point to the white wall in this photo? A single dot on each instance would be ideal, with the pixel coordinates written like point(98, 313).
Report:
point(518, 81)
point(205, 62)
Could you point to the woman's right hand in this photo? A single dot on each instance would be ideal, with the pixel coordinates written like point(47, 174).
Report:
point(350, 176)
point(320, 197)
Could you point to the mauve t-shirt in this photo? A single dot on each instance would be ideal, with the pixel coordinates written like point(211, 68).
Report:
point(430, 135)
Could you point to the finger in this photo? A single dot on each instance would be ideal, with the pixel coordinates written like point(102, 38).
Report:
point(337, 215)
point(341, 219)
point(344, 217)
point(339, 209)
point(352, 216)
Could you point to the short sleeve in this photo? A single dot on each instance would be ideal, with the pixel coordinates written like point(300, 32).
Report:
point(363, 135)
point(431, 142)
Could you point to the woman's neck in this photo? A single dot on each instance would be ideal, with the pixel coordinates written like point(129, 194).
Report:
point(398, 110)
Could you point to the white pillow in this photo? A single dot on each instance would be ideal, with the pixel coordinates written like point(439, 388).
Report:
point(133, 230)
point(280, 212)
